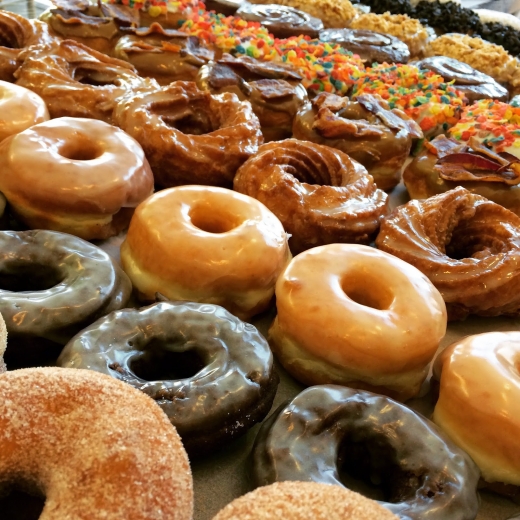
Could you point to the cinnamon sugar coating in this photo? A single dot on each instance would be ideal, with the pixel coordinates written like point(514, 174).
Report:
point(468, 246)
point(94, 447)
point(320, 195)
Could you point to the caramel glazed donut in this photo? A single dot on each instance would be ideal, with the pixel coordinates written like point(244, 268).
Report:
point(224, 381)
point(468, 246)
point(53, 286)
point(91, 447)
point(424, 475)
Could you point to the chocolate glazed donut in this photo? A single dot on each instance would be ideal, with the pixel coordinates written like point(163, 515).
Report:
point(211, 373)
point(52, 285)
point(329, 428)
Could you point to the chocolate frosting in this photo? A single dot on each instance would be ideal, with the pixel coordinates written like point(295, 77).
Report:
point(234, 384)
point(369, 45)
point(282, 21)
point(227, 7)
point(474, 84)
point(428, 477)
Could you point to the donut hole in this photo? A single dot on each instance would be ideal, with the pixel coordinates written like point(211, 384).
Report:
point(160, 362)
point(95, 78)
point(310, 171)
point(10, 39)
point(21, 502)
point(194, 118)
point(83, 149)
point(367, 290)
point(20, 276)
point(213, 220)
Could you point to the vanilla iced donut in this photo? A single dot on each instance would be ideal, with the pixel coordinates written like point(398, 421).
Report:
point(206, 244)
point(78, 176)
point(479, 401)
point(349, 315)
point(19, 109)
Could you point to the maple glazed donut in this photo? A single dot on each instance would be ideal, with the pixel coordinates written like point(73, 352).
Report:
point(422, 473)
point(206, 244)
point(320, 195)
point(224, 381)
point(78, 439)
point(381, 319)
point(191, 136)
point(20, 109)
point(78, 176)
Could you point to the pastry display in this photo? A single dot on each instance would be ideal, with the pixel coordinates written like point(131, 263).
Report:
point(191, 136)
point(20, 109)
point(79, 461)
point(208, 245)
point(303, 501)
point(380, 318)
point(52, 286)
point(211, 373)
point(365, 129)
point(424, 474)
point(320, 195)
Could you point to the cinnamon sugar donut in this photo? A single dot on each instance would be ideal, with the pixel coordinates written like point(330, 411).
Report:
point(93, 447)
point(466, 245)
point(303, 501)
point(20, 109)
point(78, 176)
point(190, 136)
point(319, 194)
point(77, 81)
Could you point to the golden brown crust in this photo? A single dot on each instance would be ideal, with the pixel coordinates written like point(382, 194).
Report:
point(320, 194)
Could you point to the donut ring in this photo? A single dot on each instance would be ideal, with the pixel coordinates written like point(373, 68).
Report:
point(319, 194)
point(77, 81)
point(190, 136)
point(90, 437)
point(234, 381)
point(94, 177)
point(65, 283)
point(466, 245)
point(435, 479)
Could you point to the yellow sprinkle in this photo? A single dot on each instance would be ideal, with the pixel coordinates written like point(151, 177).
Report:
point(154, 11)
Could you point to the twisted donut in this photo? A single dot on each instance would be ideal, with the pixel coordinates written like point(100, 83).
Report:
point(468, 246)
point(320, 195)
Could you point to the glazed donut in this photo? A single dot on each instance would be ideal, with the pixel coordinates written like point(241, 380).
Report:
point(226, 382)
point(80, 439)
point(370, 46)
point(365, 129)
point(281, 21)
point(163, 54)
point(482, 418)
point(319, 194)
point(77, 81)
point(53, 286)
point(424, 475)
point(303, 501)
point(17, 33)
point(190, 136)
point(78, 176)
point(381, 319)
point(466, 245)
point(20, 109)
point(274, 90)
point(208, 245)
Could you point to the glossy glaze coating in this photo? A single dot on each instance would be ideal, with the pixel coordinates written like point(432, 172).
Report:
point(479, 405)
point(205, 244)
point(427, 476)
point(190, 136)
point(468, 246)
point(234, 381)
point(369, 45)
point(54, 285)
point(80, 439)
point(78, 176)
point(474, 84)
point(282, 21)
point(320, 195)
point(20, 109)
point(352, 315)
point(77, 81)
